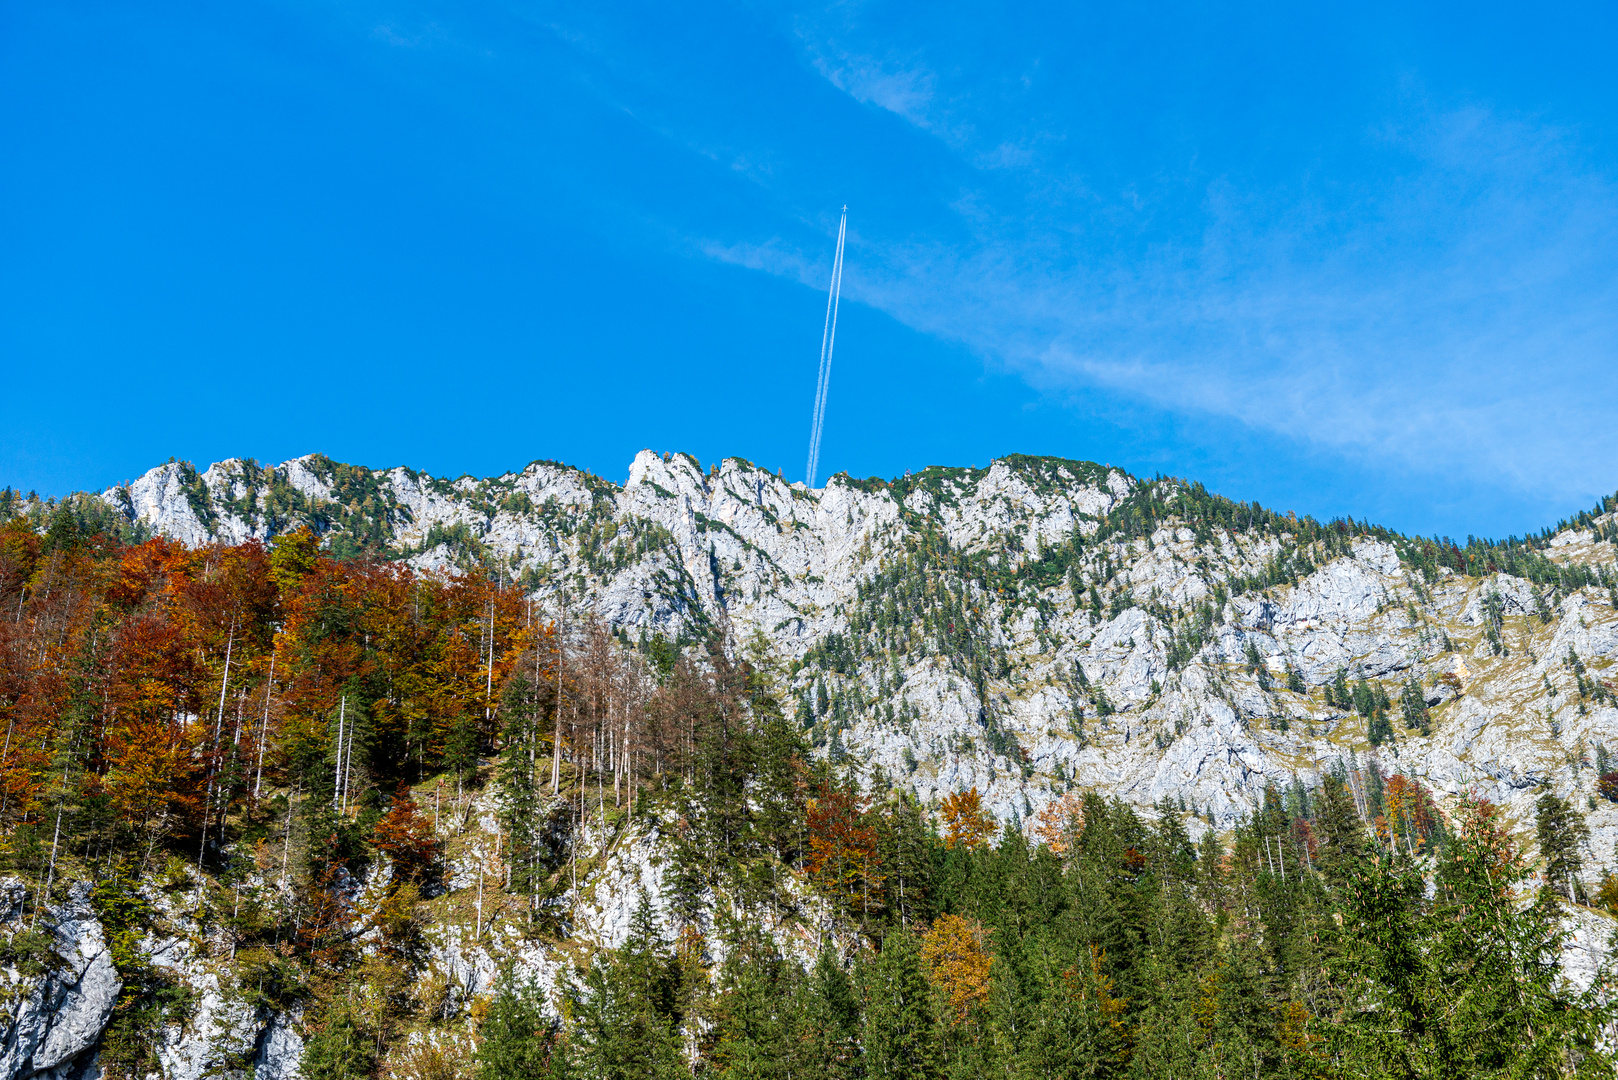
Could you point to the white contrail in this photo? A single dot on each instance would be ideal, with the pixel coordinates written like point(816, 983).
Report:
point(828, 340)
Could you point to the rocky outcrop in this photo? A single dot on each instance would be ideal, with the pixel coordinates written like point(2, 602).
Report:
point(222, 1032)
point(62, 986)
point(55, 1019)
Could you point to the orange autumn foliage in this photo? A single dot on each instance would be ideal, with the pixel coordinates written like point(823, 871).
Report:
point(1411, 814)
point(1061, 823)
point(956, 952)
point(149, 667)
point(150, 778)
point(406, 837)
point(1482, 836)
point(966, 823)
point(843, 859)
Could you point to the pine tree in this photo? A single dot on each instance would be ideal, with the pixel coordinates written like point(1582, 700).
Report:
point(461, 748)
point(1560, 830)
point(626, 1020)
point(901, 1030)
point(340, 1050)
point(827, 1027)
point(1414, 705)
point(1337, 692)
point(520, 783)
point(753, 1038)
point(1242, 1021)
point(1342, 836)
point(1466, 984)
point(1077, 1028)
point(1168, 1041)
point(514, 1040)
point(906, 846)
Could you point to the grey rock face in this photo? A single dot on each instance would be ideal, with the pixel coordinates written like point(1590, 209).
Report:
point(220, 1028)
point(280, 1048)
point(1043, 690)
point(56, 1021)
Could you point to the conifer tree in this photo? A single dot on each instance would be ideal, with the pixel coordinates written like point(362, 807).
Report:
point(626, 1019)
point(756, 1021)
point(828, 1020)
point(1078, 1027)
point(1468, 984)
point(520, 783)
point(906, 846)
point(340, 1050)
point(1560, 830)
point(1342, 836)
point(1337, 692)
point(514, 1040)
point(901, 1029)
point(1413, 703)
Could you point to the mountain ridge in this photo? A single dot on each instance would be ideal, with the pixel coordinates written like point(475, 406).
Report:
point(1135, 611)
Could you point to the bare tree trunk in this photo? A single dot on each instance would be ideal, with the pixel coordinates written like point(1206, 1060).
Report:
point(219, 721)
point(235, 754)
point(61, 807)
point(337, 769)
point(348, 764)
point(488, 686)
point(263, 731)
point(286, 844)
point(556, 730)
point(601, 791)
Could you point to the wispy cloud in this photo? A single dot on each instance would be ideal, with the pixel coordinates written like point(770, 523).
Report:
point(900, 82)
point(772, 257)
point(905, 91)
point(399, 37)
point(1454, 318)
point(1413, 284)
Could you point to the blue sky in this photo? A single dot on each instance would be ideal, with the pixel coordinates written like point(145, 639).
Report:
point(1360, 261)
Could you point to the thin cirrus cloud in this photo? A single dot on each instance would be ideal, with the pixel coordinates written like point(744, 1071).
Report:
point(1446, 312)
point(903, 91)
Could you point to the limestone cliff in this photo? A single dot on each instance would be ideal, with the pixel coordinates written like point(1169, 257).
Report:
point(1015, 627)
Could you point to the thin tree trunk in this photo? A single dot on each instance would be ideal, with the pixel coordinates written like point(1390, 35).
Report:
point(348, 764)
point(61, 807)
point(5, 756)
point(263, 731)
point(235, 755)
point(337, 768)
point(556, 731)
point(219, 721)
point(286, 842)
point(601, 791)
point(488, 687)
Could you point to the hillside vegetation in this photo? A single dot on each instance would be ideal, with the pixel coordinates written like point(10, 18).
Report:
point(1038, 770)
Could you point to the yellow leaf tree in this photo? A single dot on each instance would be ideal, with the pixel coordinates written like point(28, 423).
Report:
point(956, 951)
point(966, 823)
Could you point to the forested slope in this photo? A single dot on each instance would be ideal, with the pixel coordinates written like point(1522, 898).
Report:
point(1040, 769)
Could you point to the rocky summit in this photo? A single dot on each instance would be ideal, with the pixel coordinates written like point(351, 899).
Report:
point(1032, 627)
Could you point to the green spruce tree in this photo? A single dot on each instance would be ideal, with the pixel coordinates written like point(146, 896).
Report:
point(514, 1040)
point(1560, 830)
point(901, 1029)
